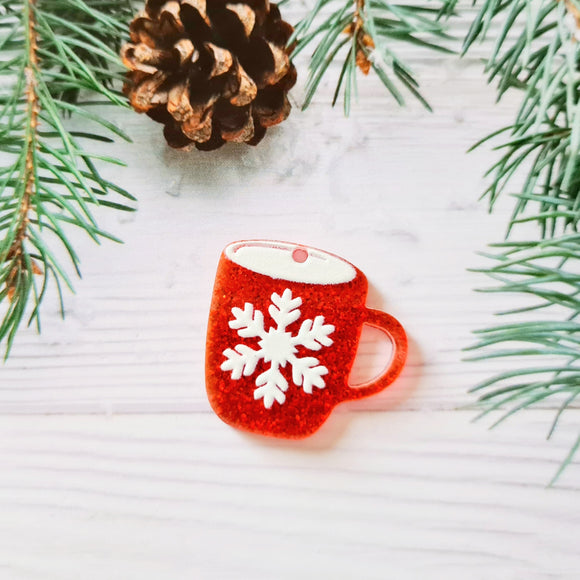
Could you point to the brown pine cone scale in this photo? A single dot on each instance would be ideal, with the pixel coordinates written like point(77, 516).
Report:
point(212, 71)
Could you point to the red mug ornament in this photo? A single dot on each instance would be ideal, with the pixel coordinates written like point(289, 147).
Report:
point(283, 332)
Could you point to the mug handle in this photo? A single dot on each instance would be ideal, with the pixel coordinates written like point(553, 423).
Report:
point(393, 329)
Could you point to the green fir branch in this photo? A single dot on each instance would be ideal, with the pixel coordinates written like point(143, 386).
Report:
point(542, 144)
point(361, 35)
point(537, 53)
point(54, 52)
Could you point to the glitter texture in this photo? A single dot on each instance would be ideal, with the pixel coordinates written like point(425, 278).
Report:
point(342, 305)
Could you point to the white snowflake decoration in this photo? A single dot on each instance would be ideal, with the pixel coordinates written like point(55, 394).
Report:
point(277, 347)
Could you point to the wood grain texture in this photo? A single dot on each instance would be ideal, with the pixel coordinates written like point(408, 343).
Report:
point(392, 190)
point(374, 496)
point(147, 484)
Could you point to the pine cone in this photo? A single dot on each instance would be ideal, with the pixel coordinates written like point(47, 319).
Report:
point(210, 72)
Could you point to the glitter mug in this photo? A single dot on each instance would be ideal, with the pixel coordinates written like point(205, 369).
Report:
point(284, 327)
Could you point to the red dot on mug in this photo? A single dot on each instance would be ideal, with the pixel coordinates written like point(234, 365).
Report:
point(300, 255)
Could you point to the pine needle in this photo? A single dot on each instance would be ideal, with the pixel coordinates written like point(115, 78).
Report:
point(53, 52)
point(536, 52)
point(361, 35)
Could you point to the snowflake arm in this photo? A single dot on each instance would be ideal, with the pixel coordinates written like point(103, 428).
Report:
point(308, 373)
point(284, 309)
point(314, 334)
point(248, 322)
point(271, 386)
point(277, 347)
point(241, 361)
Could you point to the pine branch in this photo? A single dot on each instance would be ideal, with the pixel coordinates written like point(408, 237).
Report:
point(53, 53)
point(543, 142)
point(536, 52)
point(547, 274)
point(16, 253)
point(361, 34)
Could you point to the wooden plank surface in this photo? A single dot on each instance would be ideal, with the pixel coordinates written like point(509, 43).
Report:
point(392, 190)
point(398, 495)
point(121, 471)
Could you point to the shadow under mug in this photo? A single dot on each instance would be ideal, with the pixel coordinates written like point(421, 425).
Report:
point(251, 277)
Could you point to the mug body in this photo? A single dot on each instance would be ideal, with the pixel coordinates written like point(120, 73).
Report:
point(284, 326)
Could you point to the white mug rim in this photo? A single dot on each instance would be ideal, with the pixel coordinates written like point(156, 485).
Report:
point(329, 268)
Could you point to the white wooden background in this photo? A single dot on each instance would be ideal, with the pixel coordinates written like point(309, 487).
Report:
point(112, 464)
